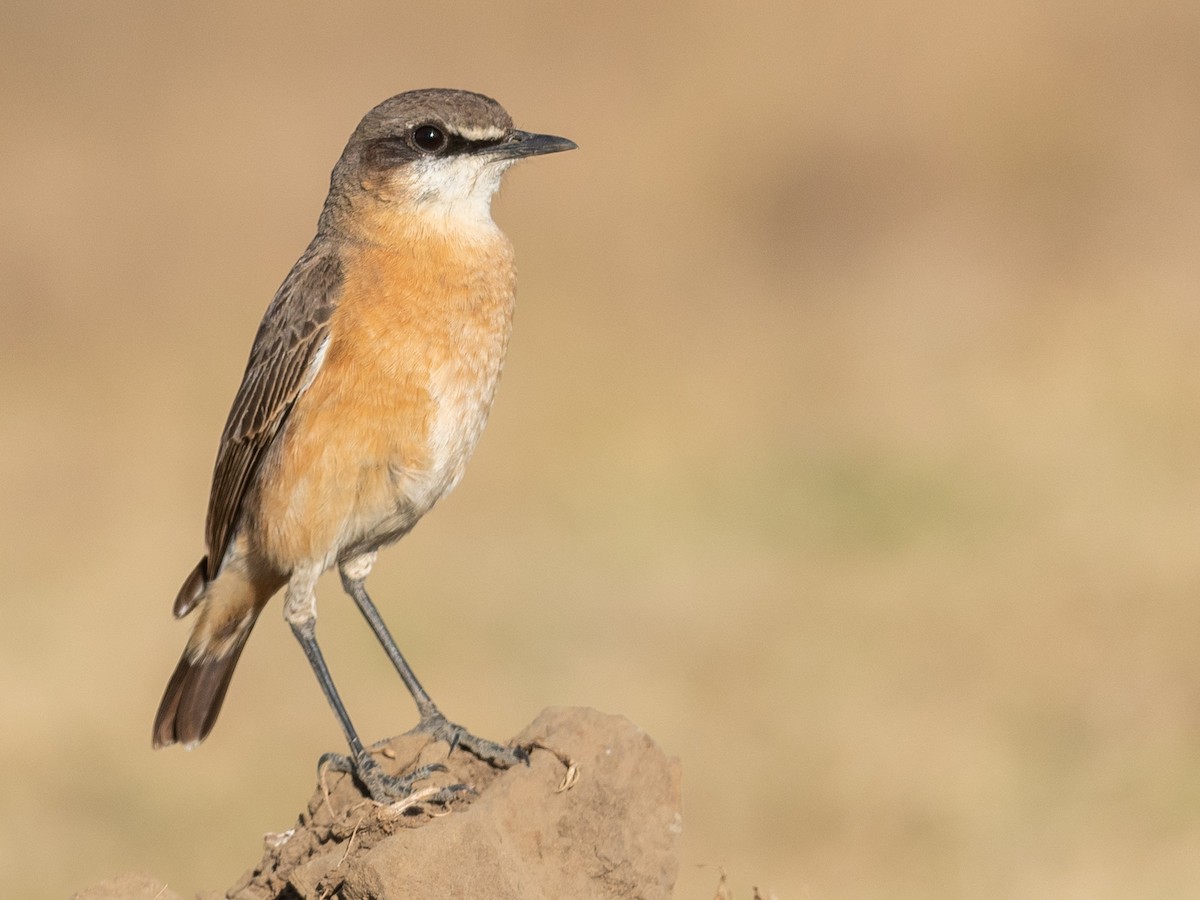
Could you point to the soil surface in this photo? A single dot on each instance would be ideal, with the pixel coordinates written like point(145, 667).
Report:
point(596, 814)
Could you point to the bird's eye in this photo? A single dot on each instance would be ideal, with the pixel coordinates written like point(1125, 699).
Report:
point(428, 138)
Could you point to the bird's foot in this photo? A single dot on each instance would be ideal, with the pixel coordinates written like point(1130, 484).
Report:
point(438, 727)
point(385, 788)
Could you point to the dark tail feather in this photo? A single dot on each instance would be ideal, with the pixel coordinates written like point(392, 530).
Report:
point(193, 698)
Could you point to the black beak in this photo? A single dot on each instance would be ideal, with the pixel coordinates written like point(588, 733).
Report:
point(520, 144)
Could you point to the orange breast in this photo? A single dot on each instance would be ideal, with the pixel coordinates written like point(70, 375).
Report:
point(385, 428)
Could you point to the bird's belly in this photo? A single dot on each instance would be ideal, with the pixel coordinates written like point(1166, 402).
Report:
point(394, 492)
point(358, 471)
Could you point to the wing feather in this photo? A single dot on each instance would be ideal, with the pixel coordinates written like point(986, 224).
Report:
point(287, 352)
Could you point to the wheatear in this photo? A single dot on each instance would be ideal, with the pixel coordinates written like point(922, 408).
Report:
point(368, 385)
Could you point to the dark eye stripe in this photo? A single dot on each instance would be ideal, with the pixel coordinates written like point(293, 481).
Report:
point(385, 152)
point(459, 144)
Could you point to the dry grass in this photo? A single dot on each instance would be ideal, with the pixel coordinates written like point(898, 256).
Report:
point(848, 442)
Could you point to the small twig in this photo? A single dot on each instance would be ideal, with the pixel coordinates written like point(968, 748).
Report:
point(393, 810)
point(723, 891)
point(572, 773)
point(350, 840)
point(325, 790)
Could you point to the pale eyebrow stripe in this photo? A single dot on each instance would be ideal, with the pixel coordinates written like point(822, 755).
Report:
point(484, 133)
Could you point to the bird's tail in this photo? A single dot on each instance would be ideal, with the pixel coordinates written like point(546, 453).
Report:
point(228, 608)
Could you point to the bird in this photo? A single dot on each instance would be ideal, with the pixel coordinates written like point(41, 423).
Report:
point(369, 382)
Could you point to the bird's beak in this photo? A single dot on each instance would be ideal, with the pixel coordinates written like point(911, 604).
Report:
point(520, 144)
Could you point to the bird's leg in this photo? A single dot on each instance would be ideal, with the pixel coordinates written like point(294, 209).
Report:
point(354, 575)
point(300, 610)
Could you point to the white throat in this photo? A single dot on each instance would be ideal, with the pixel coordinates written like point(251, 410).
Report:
point(456, 192)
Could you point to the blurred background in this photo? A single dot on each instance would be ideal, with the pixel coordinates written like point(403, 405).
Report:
point(848, 440)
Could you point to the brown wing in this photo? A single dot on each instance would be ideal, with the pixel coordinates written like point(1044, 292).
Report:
point(283, 361)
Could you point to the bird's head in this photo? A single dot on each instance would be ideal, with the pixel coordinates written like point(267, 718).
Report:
point(433, 158)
